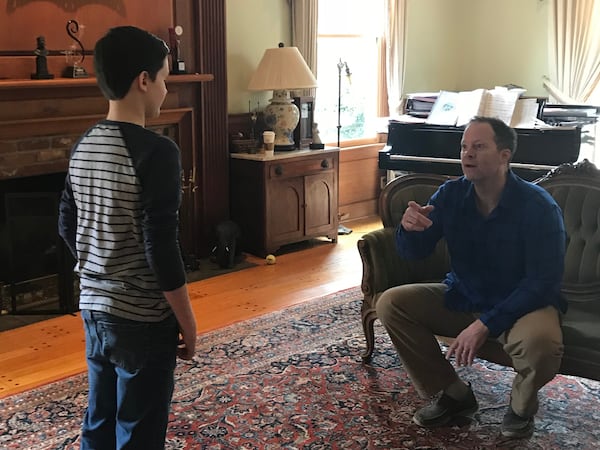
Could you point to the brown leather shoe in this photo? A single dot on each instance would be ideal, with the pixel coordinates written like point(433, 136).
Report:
point(445, 409)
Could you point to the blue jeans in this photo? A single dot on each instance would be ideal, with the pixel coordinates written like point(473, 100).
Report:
point(130, 375)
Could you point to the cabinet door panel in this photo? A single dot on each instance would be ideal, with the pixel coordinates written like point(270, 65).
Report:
point(286, 201)
point(321, 203)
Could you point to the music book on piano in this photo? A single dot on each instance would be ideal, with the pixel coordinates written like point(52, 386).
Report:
point(457, 108)
point(445, 109)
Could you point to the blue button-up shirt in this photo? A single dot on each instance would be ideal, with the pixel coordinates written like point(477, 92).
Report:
point(504, 265)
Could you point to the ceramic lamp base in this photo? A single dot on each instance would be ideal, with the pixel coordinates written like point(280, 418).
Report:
point(282, 116)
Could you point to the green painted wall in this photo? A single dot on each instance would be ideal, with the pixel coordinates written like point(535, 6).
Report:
point(431, 45)
point(451, 44)
point(468, 44)
point(252, 27)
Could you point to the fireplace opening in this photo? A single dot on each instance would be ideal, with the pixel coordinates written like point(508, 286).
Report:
point(36, 268)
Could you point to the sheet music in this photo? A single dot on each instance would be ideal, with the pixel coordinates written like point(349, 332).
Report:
point(458, 108)
point(500, 103)
point(525, 113)
point(469, 105)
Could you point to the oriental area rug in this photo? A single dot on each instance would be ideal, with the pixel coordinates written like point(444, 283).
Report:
point(294, 379)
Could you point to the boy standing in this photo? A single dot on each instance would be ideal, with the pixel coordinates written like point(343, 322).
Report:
point(119, 217)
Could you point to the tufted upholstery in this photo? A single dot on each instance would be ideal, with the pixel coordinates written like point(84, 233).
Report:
point(576, 189)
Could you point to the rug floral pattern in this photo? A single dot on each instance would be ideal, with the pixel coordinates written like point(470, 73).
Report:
point(295, 380)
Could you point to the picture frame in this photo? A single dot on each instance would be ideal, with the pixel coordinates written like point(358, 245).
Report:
point(303, 133)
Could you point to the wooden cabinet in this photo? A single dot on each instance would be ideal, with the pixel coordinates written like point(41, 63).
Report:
point(288, 198)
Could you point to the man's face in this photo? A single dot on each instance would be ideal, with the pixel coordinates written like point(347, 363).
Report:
point(479, 155)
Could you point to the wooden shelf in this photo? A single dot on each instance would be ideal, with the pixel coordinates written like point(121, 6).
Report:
point(91, 81)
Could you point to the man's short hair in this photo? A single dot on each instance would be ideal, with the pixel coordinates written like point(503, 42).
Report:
point(504, 136)
point(122, 54)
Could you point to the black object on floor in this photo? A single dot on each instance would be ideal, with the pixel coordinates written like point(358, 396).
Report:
point(344, 230)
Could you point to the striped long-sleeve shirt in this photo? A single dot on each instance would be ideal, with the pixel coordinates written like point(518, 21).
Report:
point(119, 217)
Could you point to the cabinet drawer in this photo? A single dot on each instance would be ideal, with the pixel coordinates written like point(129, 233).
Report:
point(305, 167)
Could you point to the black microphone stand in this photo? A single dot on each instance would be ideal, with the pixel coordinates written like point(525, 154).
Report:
point(341, 228)
point(340, 66)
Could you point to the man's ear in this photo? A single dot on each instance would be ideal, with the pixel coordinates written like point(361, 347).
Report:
point(506, 155)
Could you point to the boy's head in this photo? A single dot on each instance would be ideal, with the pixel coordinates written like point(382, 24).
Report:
point(122, 54)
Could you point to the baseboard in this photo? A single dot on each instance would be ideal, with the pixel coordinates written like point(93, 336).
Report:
point(358, 210)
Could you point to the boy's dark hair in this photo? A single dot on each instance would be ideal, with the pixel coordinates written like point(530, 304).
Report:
point(504, 136)
point(122, 54)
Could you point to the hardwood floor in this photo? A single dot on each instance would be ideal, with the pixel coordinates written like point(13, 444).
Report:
point(47, 351)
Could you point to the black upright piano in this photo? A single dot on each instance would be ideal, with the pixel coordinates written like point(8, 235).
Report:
point(426, 148)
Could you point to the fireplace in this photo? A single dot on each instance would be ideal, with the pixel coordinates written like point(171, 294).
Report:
point(36, 268)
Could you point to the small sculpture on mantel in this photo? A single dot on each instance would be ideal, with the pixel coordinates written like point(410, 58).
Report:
point(315, 134)
point(316, 143)
point(41, 62)
point(76, 53)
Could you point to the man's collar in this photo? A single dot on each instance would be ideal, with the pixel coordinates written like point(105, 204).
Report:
point(508, 192)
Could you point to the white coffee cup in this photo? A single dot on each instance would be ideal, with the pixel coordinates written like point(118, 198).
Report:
point(269, 141)
point(268, 137)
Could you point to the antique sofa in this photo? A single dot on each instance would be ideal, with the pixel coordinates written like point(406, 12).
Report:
point(575, 187)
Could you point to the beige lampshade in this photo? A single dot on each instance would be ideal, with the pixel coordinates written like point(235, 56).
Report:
point(282, 68)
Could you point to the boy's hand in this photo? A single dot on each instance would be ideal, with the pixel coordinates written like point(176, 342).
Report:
point(186, 347)
point(180, 303)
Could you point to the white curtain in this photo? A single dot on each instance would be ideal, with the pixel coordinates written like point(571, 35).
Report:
point(383, 107)
point(304, 33)
point(574, 50)
point(395, 54)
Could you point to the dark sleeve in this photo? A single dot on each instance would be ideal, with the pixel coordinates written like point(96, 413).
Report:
point(160, 177)
point(67, 218)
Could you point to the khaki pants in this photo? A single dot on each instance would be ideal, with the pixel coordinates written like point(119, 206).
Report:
point(414, 314)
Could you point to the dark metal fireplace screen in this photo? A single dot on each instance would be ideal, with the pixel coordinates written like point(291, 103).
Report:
point(36, 276)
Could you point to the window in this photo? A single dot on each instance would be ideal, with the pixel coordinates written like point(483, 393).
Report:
point(347, 44)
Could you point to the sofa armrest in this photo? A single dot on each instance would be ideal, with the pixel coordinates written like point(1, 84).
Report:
point(383, 268)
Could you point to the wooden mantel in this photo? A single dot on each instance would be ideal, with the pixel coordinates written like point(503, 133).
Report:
point(64, 106)
point(10, 84)
point(22, 89)
point(31, 109)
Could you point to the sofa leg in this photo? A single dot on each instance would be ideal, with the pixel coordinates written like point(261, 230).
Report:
point(368, 319)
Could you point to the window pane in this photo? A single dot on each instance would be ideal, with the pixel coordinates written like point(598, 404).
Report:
point(348, 31)
point(350, 17)
point(357, 100)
